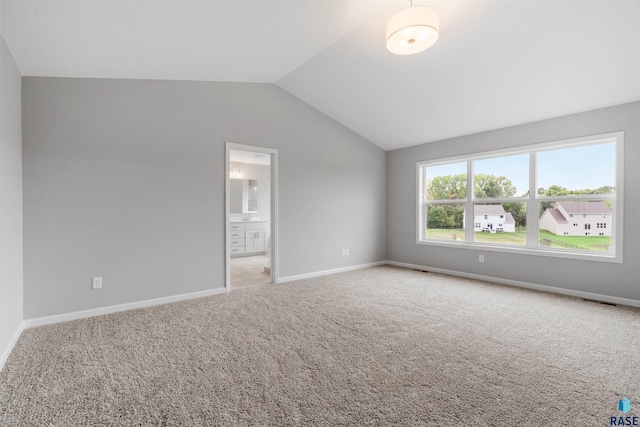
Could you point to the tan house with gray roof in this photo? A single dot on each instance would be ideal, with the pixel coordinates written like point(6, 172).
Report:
point(577, 219)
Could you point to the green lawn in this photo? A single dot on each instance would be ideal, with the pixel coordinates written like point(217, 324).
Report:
point(448, 234)
point(590, 243)
point(517, 238)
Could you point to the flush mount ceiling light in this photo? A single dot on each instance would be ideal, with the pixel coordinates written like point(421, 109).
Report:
point(412, 30)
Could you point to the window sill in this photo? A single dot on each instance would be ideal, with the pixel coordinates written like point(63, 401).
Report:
point(521, 250)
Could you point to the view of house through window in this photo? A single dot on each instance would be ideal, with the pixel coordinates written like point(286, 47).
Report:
point(579, 185)
point(565, 192)
point(500, 223)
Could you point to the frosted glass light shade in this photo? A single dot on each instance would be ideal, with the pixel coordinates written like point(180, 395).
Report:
point(412, 30)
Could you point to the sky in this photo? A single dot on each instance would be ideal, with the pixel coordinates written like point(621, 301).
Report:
point(576, 168)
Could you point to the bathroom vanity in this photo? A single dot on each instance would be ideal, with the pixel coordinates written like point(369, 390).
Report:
point(248, 237)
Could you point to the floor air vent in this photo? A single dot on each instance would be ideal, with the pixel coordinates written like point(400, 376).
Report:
point(600, 302)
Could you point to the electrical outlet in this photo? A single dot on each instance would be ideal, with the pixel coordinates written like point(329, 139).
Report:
point(347, 252)
point(480, 258)
point(344, 252)
point(96, 283)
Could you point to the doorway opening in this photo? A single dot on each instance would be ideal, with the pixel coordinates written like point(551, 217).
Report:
point(251, 213)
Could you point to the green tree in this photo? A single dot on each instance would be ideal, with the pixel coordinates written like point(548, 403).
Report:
point(556, 190)
point(438, 217)
point(491, 186)
point(457, 212)
point(447, 187)
point(519, 212)
point(606, 189)
point(450, 187)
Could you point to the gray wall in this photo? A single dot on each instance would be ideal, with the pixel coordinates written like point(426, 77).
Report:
point(620, 280)
point(124, 179)
point(10, 200)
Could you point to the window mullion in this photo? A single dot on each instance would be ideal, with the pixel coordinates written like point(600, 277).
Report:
point(468, 206)
point(532, 204)
point(421, 214)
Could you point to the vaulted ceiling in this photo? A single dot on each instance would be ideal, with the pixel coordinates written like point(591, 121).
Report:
point(497, 63)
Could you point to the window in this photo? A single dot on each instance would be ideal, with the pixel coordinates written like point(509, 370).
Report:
point(443, 220)
point(522, 199)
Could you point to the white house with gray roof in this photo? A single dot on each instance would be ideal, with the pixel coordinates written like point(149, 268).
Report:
point(493, 219)
point(577, 219)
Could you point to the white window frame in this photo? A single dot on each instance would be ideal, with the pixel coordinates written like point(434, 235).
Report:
point(532, 200)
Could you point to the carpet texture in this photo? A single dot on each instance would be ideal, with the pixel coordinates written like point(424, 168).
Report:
point(379, 346)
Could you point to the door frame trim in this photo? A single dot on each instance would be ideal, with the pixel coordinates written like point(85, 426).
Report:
point(273, 223)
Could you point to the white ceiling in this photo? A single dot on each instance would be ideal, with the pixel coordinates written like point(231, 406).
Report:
point(497, 63)
point(210, 40)
point(240, 156)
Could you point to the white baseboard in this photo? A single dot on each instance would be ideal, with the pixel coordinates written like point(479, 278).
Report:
point(47, 320)
point(534, 286)
point(332, 271)
point(12, 343)
point(65, 317)
point(29, 323)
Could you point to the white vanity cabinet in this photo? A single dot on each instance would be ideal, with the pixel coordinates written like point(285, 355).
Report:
point(237, 238)
point(248, 237)
point(255, 236)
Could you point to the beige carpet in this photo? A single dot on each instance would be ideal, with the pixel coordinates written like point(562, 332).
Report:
point(381, 346)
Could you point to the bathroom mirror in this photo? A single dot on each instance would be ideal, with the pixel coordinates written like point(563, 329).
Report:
point(243, 195)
